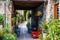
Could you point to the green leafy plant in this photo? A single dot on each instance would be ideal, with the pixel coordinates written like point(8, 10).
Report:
point(53, 27)
point(22, 19)
point(7, 28)
point(8, 34)
point(45, 26)
point(2, 17)
point(58, 38)
point(9, 37)
point(28, 24)
point(14, 19)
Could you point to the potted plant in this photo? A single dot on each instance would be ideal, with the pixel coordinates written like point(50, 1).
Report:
point(53, 27)
point(8, 36)
point(8, 33)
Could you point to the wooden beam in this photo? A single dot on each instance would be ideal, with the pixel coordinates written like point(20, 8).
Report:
point(28, 0)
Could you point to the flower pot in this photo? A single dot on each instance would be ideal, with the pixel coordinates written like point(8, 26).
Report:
point(35, 34)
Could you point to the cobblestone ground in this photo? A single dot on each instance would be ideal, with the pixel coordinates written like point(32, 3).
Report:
point(24, 35)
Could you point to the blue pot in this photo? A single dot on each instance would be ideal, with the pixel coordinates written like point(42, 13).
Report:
point(17, 31)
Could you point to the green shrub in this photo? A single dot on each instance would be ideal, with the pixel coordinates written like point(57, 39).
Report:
point(9, 37)
point(53, 27)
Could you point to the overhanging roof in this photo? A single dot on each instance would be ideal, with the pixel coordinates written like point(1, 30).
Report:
point(27, 4)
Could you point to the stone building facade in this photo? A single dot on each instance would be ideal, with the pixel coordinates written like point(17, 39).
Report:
point(50, 10)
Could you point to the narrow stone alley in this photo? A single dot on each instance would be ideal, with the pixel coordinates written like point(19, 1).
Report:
point(24, 35)
point(29, 19)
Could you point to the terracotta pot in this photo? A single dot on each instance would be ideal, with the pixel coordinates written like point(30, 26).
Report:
point(1, 38)
point(1, 23)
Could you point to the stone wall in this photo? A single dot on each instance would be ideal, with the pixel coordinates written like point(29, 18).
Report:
point(50, 9)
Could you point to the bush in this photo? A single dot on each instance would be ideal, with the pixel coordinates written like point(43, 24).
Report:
point(9, 37)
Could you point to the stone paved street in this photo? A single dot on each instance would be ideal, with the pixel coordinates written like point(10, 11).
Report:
point(24, 35)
